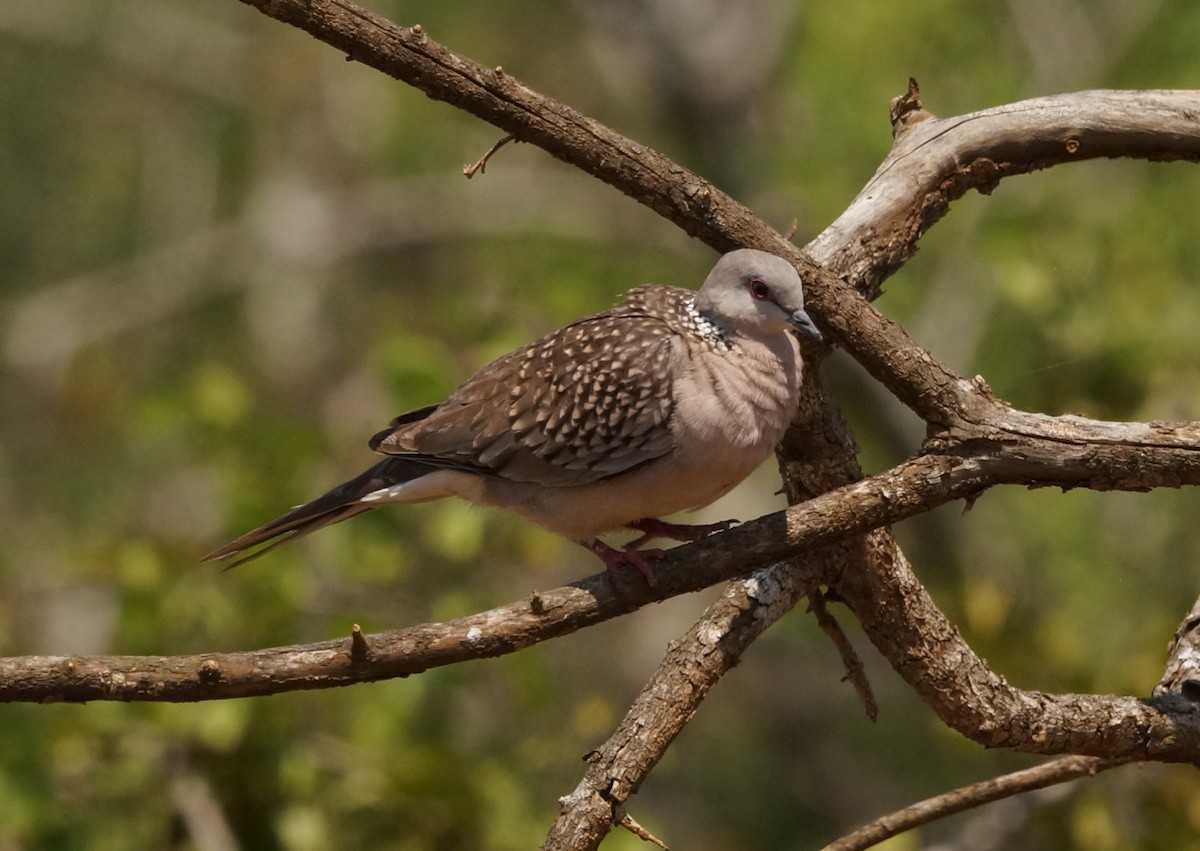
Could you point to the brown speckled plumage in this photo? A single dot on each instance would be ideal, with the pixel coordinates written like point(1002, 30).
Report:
point(661, 403)
point(588, 401)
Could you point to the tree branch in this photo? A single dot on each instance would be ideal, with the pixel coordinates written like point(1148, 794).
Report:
point(969, 797)
point(1181, 667)
point(976, 442)
point(826, 519)
point(1150, 455)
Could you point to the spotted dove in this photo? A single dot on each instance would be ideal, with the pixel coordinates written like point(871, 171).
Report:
point(661, 404)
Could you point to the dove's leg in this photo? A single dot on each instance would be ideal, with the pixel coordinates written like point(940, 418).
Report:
point(652, 528)
point(614, 559)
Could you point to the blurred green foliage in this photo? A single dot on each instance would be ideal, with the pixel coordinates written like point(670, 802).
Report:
point(228, 256)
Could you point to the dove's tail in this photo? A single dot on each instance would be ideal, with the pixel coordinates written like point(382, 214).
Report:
point(341, 503)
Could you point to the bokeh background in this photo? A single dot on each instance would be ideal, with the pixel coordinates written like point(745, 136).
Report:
point(228, 256)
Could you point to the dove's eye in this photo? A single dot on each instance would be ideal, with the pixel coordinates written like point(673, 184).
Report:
point(759, 289)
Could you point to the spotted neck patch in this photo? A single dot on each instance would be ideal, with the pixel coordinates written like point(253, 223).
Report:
point(704, 327)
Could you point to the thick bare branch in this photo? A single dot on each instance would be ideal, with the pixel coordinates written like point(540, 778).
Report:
point(938, 160)
point(976, 442)
point(691, 667)
point(410, 55)
point(935, 161)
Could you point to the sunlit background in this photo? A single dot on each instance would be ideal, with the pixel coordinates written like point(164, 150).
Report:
point(228, 256)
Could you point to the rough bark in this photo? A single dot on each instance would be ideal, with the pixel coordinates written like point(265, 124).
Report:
point(837, 533)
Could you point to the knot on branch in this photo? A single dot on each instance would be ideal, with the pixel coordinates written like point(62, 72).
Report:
point(907, 111)
point(209, 671)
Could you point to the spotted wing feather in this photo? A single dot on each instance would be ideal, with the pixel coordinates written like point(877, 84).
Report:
point(589, 401)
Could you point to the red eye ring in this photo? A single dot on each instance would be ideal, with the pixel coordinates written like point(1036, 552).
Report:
point(759, 289)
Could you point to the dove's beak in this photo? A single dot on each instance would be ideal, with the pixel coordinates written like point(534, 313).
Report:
point(803, 323)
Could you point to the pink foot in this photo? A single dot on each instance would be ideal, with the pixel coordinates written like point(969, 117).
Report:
point(614, 559)
point(652, 527)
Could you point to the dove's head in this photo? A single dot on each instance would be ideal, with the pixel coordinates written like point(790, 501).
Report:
point(757, 294)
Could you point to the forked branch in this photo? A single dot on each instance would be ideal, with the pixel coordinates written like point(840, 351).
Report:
point(976, 442)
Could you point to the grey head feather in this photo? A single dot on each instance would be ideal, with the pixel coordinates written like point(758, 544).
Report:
point(755, 293)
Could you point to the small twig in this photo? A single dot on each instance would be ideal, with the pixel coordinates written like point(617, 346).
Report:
point(480, 164)
point(855, 672)
point(967, 797)
point(630, 823)
point(360, 648)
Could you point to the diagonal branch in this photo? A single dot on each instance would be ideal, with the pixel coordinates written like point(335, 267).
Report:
point(408, 54)
point(976, 441)
point(852, 510)
point(969, 797)
point(691, 667)
point(936, 161)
